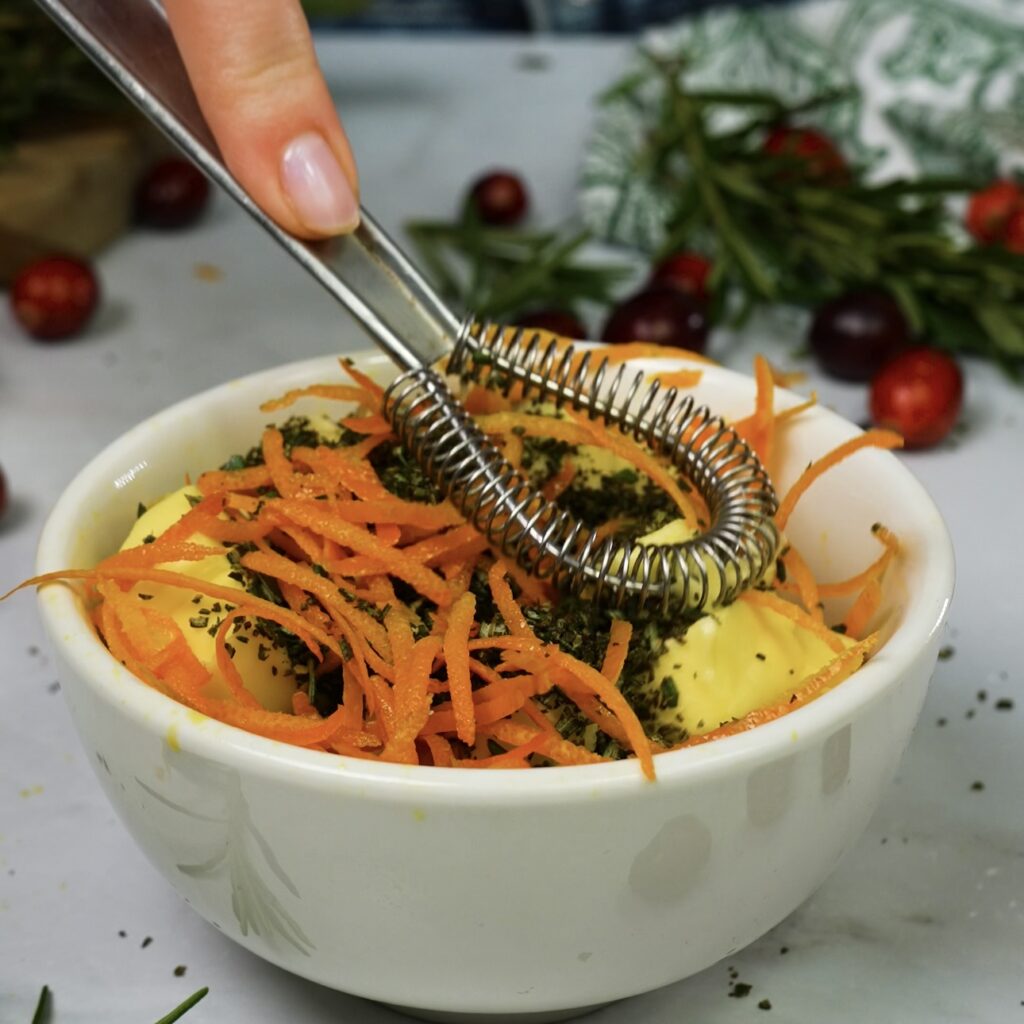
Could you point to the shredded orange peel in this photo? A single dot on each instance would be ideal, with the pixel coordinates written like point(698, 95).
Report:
point(335, 539)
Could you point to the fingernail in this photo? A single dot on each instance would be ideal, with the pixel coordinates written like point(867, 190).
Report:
point(318, 189)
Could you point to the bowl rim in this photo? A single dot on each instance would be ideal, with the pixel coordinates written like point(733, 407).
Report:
point(79, 648)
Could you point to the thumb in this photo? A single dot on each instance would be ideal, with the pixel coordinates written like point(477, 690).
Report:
point(256, 76)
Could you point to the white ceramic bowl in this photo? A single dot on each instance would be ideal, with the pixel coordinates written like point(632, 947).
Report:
point(537, 892)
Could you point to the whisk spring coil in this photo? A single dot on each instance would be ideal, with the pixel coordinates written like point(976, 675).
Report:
point(712, 567)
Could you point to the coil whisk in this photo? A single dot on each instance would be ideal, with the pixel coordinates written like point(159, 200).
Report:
point(733, 552)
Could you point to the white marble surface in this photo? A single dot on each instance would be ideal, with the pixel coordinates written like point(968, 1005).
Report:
point(924, 921)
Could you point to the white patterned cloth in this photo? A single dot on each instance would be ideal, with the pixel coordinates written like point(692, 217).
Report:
point(939, 90)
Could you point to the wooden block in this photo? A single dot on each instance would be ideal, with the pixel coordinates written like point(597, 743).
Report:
point(71, 191)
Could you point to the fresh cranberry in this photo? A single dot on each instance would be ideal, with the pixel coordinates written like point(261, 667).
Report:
point(662, 315)
point(557, 321)
point(989, 211)
point(172, 194)
point(499, 198)
point(1013, 235)
point(853, 335)
point(919, 394)
point(687, 271)
point(54, 298)
point(818, 154)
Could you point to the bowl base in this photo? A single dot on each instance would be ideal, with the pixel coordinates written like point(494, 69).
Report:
point(535, 1017)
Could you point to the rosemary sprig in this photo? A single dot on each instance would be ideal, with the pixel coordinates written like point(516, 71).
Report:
point(780, 234)
point(182, 1008)
point(42, 1013)
point(42, 75)
point(500, 272)
point(44, 1006)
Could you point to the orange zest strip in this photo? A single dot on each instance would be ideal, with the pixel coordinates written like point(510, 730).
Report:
point(786, 378)
point(399, 512)
point(561, 751)
point(764, 422)
point(506, 603)
point(560, 481)
point(514, 758)
point(309, 634)
point(788, 610)
point(828, 677)
point(150, 554)
point(639, 457)
point(440, 751)
point(456, 656)
point(353, 700)
point(795, 410)
point(505, 643)
point(680, 379)
point(314, 516)
point(346, 468)
point(169, 659)
point(490, 704)
point(333, 392)
point(370, 425)
point(412, 700)
point(592, 680)
point(625, 351)
point(593, 709)
point(235, 531)
point(307, 581)
point(874, 571)
point(361, 449)
point(869, 439)
point(617, 649)
point(532, 590)
point(800, 578)
point(368, 384)
point(462, 542)
point(232, 677)
point(250, 478)
point(863, 610)
point(481, 401)
point(282, 474)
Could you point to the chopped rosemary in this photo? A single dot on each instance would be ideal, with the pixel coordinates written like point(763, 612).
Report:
point(43, 1006)
point(182, 1008)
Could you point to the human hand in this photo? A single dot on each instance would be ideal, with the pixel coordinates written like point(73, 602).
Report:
point(256, 76)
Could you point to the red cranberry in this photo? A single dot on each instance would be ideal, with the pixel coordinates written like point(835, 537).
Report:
point(557, 321)
point(662, 315)
point(54, 298)
point(172, 194)
point(989, 211)
point(499, 198)
point(687, 271)
point(918, 394)
point(1013, 235)
point(818, 154)
point(853, 335)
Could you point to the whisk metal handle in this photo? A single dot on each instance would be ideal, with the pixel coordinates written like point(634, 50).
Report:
point(366, 271)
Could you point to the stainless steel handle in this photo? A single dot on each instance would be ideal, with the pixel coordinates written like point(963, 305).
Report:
point(366, 271)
